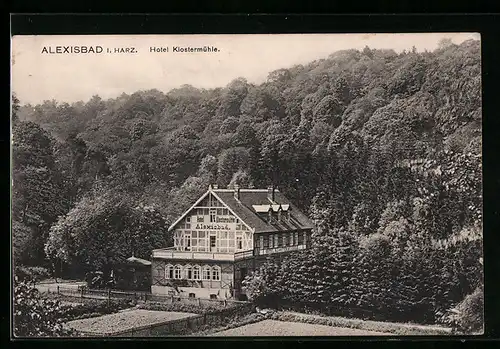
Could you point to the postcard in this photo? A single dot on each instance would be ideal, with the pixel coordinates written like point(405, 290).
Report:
point(247, 185)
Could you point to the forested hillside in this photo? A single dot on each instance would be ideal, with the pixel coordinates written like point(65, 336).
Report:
point(383, 150)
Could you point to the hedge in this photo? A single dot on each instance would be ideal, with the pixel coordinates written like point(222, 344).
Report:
point(388, 327)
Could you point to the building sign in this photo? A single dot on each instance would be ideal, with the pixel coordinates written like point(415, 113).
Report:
point(212, 226)
point(282, 249)
point(224, 219)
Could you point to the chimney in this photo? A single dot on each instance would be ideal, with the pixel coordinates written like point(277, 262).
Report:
point(270, 193)
point(236, 191)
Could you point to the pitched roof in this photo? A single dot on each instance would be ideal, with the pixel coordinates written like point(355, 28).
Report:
point(244, 209)
point(138, 261)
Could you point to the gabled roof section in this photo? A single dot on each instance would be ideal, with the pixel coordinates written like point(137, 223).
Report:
point(187, 211)
point(209, 191)
point(253, 204)
point(252, 209)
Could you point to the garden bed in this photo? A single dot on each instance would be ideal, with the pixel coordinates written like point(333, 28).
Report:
point(367, 325)
point(125, 322)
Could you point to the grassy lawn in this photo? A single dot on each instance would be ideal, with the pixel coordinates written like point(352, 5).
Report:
point(128, 320)
point(283, 328)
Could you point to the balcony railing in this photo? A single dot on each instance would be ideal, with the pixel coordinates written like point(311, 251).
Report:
point(243, 254)
point(172, 253)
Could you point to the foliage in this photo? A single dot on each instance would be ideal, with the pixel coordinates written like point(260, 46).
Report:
point(94, 309)
point(104, 230)
point(186, 307)
point(387, 327)
point(467, 317)
point(34, 274)
point(35, 316)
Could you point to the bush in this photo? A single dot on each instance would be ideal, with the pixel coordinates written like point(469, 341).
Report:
point(467, 317)
point(93, 309)
point(387, 327)
point(35, 274)
point(186, 307)
point(232, 323)
point(35, 316)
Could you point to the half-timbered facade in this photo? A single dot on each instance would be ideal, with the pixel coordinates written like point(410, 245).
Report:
point(223, 237)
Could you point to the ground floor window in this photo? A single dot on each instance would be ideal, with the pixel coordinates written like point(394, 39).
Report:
point(216, 273)
point(177, 272)
point(169, 271)
point(196, 272)
point(192, 295)
point(206, 273)
point(190, 272)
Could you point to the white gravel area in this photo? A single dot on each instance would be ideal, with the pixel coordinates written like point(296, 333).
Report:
point(282, 328)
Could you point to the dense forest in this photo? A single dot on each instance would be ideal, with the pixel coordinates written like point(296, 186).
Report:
point(381, 149)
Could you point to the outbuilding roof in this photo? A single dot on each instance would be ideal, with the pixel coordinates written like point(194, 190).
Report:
point(136, 260)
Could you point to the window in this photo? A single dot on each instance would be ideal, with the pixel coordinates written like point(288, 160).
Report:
point(276, 237)
point(188, 272)
point(261, 242)
point(271, 241)
point(188, 219)
point(290, 239)
point(187, 226)
point(177, 272)
point(216, 273)
point(187, 240)
point(206, 272)
point(196, 272)
point(212, 215)
point(200, 219)
point(225, 211)
point(213, 241)
point(192, 295)
point(169, 271)
point(219, 212)
point(205, 211)
point(296, 238)
point(239, 243)
point(285, 239)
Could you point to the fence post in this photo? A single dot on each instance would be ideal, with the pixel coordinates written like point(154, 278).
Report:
point(109, 296)
point(81, 292)
point(225, 303)
point(58, 290)
point(199, 302)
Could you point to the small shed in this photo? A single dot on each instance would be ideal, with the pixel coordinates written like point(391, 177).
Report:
point(133, 274)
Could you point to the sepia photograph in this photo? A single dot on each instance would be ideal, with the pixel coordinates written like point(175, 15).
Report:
point(246, 185)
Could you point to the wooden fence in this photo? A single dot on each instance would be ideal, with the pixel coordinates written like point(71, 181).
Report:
point(108, 294)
